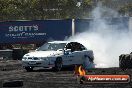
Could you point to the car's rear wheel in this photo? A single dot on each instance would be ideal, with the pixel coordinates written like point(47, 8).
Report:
point(29, 69)
point(58, 64)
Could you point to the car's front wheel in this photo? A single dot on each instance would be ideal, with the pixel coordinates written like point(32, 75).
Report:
point(29, 69)
point(58, 64)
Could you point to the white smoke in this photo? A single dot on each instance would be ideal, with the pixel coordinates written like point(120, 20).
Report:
point(106, 41)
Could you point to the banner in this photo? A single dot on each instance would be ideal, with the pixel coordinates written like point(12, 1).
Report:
point(34, 31)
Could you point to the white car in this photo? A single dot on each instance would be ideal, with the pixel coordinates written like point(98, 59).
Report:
point(57, 54)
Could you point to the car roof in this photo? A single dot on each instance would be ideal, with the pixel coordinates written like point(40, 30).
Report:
point(60, 42)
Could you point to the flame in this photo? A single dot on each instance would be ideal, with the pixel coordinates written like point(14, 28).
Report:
point(80, 71)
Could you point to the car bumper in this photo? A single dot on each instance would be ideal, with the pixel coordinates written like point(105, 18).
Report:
point(37, 64)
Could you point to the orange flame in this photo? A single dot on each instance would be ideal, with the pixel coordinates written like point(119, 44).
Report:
point(80, 71)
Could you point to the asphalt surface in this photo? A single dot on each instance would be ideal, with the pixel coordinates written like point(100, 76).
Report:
point(14, 76)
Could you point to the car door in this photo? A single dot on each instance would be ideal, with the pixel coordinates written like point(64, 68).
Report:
point(76, 53)
point(68, 59)
point(76, 59)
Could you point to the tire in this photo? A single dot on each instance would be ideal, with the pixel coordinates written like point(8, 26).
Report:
point(29, 69)
point(121, 61)
point(58, 64)
point(125, 61)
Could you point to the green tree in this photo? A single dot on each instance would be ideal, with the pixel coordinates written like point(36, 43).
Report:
point(43, 9)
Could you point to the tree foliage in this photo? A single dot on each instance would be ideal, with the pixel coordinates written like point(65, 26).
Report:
point(126, 9)
point(43, 9)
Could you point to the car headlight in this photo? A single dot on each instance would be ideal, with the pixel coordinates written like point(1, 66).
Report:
point(24, 58)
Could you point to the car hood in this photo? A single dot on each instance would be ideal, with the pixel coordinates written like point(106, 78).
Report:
point(43, 53)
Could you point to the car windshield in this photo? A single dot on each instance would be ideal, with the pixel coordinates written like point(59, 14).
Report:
point(51, 47)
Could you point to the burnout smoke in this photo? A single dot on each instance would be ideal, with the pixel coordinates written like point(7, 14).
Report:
point(107, 41)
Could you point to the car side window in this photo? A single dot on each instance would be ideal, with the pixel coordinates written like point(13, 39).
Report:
point(74, 46)
point(77, 47)
point(70, 46)
point(82, 47)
